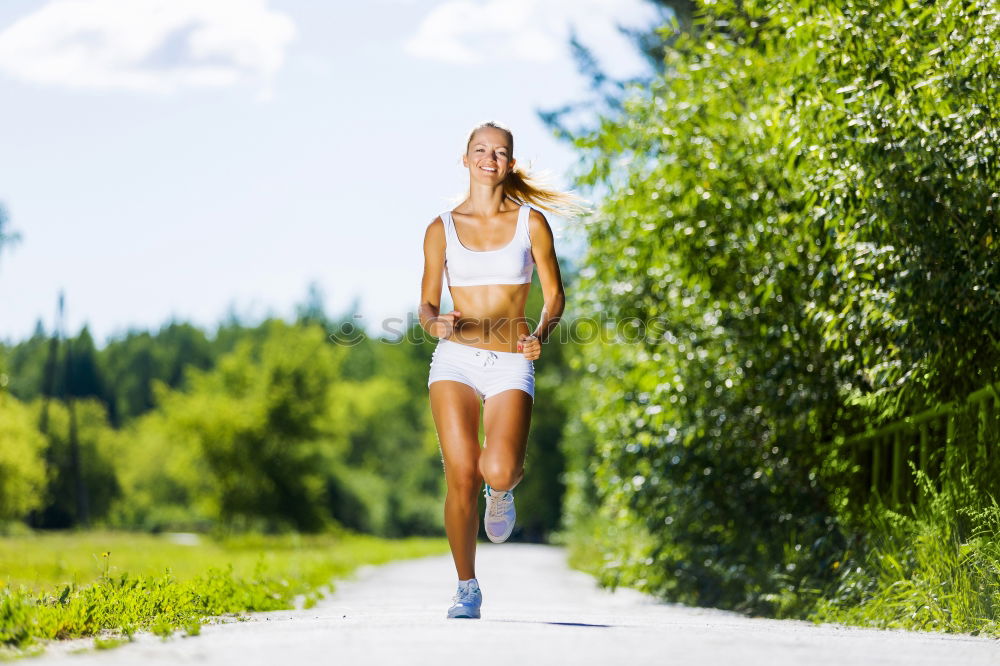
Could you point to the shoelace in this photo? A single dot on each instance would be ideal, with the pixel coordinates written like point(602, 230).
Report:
point(499, 504)
point(465, 595)
point(488, 357)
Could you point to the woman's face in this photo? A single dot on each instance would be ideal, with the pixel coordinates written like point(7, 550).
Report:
point(488, 156)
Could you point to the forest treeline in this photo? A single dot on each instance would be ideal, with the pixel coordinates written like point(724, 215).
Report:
point(269, 426)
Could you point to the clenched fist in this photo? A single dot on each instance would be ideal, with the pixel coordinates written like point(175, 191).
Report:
point(444, 325)
point(530, 346)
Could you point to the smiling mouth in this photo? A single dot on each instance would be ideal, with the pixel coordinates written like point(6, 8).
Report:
point(489, 169)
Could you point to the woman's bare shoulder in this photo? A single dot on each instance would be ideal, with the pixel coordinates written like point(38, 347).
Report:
point(436, 225)
point(536, 218)
point(435, 231)
point(538, 226)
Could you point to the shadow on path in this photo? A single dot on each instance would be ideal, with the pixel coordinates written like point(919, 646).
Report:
point(562, 624)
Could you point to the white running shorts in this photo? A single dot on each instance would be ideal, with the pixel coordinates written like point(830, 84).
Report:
point(488, 372)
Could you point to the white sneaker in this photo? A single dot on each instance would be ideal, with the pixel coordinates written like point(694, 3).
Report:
point(466, 601)
point(499, 518)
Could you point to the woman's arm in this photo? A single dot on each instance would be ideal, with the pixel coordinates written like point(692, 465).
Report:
point(553, 297)
point(438, 325)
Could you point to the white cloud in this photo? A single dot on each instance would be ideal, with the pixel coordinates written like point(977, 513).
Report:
point(471, 32)
point(154, 46)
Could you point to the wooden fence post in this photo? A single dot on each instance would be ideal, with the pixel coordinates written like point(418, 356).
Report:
point(897, 464)
point(949, 444)
point(876, 465)
point(924, 456)
point(981, 431)
point(925, 426)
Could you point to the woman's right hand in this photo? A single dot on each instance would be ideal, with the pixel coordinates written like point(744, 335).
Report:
point(444, 325)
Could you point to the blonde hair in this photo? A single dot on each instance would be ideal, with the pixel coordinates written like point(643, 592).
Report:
point(527, 188)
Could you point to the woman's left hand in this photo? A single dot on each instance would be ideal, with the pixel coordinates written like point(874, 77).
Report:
point(529, 346)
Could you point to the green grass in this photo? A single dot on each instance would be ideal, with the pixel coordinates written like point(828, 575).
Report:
point(935, 570)
point(112, 584)
point(935, 567)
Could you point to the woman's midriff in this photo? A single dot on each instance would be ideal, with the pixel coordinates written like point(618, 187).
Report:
point(492, 316)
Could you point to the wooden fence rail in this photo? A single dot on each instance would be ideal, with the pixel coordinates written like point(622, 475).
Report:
point(927, 439)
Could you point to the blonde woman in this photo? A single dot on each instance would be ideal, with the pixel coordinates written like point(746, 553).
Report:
point(487, 248)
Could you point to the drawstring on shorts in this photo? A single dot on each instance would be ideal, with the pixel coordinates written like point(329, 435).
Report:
point(489, 358)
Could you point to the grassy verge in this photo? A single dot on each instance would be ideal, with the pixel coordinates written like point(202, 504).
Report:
point(934, 568)
point(110, 585)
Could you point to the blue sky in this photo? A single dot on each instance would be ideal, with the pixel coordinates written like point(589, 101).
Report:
point(188, 158)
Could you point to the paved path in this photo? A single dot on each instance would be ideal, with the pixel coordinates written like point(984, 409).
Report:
point(535, 611)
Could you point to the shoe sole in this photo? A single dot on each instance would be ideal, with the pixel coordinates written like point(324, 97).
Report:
point(463, 617)
point(499, 539)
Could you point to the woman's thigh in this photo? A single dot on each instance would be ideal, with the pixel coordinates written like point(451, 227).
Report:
point(506, 419)
point(456, 415)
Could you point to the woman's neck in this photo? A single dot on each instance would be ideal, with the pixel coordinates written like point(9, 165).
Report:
point(485, 200)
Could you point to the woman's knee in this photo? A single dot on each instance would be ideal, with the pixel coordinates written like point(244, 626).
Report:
point(502, 475)
point(464, 482)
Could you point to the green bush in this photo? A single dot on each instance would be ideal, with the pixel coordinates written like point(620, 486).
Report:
point(273, 436)
point(88, 419)
point(166, 483)
point(22, 466)
point(797, 241)
point(249, 441)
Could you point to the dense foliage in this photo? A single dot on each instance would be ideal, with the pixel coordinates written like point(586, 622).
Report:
point(798, 240)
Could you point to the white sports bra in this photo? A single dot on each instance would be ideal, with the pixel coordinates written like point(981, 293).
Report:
point(511, 264)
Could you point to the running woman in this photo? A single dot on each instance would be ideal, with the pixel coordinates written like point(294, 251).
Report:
point(487, 247)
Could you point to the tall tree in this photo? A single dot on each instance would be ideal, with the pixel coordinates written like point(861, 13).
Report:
point(313, 309)
point(575, 119)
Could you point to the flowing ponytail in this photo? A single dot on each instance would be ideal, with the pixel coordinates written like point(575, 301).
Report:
point(528, 188)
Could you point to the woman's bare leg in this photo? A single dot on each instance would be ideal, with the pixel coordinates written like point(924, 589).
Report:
point(506, 418)
point(456, 415)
